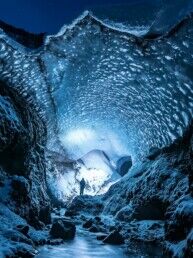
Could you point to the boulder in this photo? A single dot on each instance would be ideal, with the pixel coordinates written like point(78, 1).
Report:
point(88, 223)
point(94, 229)
point(114, 238)
point(63, 229)
point(123, 165)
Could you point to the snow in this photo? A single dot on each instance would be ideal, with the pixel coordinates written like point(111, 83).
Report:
point(9, 237)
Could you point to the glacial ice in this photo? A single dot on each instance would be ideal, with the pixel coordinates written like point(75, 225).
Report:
point(92, 76)
point(128, 92)
point(103, 92)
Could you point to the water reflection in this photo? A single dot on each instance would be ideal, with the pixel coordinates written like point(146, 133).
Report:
point(83, 246)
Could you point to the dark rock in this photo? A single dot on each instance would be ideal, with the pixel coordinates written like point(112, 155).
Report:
point(88, 223)
point(21, 188)
point(153, 209)
point(33, 219)
point(69, 213)
point(23, 252)
point(123, 165)
point(97, 219)
point(82, 217)
point(17, 236)
point(45, 215)
point(63, 229)
point(87, 204)
point(112, 228)
point(94, 229)
point(180, 222)
point(23, 229)
point(101, 237)
point(114, 238)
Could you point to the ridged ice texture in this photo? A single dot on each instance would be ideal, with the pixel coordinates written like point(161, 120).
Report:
point(91, 76)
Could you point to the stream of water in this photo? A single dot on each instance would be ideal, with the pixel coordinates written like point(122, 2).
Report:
point(85, 245)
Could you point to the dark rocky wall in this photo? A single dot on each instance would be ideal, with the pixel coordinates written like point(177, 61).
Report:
point(22, 160)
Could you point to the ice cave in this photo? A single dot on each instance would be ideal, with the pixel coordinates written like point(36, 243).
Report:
point(108, 99)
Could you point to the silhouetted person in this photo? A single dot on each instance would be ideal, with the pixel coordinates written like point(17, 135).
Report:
point(82, 186)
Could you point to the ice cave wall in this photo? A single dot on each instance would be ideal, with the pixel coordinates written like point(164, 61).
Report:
point(93, 77)
point(22, 156)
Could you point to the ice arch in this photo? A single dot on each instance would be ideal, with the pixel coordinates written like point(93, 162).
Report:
point(95, 77)
point(136, 87)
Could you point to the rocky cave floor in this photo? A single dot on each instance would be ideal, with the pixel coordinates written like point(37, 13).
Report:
point(151, 205)
point(22, 240)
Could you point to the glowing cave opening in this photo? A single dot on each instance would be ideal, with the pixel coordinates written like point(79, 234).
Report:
point(93, 155)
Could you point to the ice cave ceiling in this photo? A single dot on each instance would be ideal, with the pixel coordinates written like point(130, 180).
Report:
point(102, 88)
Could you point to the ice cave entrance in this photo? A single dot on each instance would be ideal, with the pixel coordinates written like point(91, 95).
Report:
point(101, 159)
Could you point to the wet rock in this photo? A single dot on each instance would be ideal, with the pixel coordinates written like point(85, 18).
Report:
point(63, 229)
point(94, 229)
point(71, 213)
point(114, 238)
point(88, 223)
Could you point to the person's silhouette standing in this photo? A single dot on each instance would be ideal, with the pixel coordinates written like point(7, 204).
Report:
point(82, 186)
